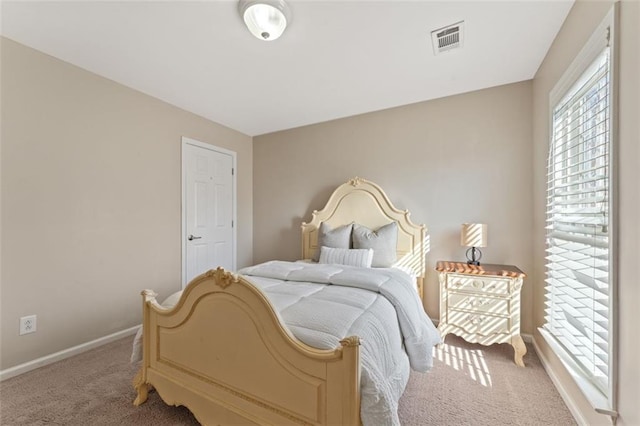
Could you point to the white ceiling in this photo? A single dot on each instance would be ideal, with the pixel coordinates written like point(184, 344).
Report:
point(336, 59)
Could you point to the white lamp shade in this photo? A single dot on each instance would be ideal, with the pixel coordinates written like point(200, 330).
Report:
point(473, 235)
point(265, 19)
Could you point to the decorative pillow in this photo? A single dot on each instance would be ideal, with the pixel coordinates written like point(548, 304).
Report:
point(384, 242)
point(351, 257)
point(335, 238)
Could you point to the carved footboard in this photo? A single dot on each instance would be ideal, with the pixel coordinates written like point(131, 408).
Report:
point(223, 353)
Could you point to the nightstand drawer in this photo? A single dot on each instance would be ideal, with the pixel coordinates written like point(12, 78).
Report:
point(478, 303)
point(487, 285)
point(483, 325)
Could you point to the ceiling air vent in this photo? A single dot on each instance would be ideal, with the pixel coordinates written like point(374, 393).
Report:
point(448, 38)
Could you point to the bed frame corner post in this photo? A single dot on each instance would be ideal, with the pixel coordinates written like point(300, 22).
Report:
point(351, 359)
point(142, 389)
point(140, 380)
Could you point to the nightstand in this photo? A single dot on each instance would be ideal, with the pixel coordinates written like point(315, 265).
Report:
point(481, 304)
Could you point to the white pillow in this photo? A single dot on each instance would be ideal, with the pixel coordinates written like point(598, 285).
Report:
point(352, 257)
point(383, 241)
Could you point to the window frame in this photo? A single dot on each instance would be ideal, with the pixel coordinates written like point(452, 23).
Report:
point(605, 34)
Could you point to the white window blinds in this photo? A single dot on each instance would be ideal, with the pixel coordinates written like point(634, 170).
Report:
point(577, 227)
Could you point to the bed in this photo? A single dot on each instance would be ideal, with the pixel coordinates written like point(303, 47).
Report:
point(227, 349)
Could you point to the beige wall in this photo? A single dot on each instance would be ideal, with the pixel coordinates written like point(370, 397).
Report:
point(90, 195)
point(578, 27)
point(459, 159)
point(91, 201)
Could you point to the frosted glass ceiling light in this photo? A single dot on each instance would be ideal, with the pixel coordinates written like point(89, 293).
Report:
point(266, 19)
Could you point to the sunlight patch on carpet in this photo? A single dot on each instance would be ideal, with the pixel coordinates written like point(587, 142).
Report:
point(469, 361)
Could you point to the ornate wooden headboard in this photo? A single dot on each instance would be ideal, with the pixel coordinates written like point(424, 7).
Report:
point(365, 203)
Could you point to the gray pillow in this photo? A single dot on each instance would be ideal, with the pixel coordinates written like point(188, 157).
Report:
point(383, 241)
point(335, 238)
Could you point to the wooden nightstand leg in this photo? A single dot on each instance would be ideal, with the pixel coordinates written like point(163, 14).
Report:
point(519, 348)
point(443, 334)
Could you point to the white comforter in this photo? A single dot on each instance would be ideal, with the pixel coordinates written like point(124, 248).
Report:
point(322, 304)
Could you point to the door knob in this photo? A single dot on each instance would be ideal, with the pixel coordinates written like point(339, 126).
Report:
point(191, 237)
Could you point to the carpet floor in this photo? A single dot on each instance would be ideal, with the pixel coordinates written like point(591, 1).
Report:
point(469, 385)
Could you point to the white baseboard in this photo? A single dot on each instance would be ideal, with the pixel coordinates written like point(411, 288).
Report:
point(66, 353)
point(575, 412)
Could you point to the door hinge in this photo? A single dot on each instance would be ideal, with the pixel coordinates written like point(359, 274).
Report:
point(233, 171)
point(232, 224)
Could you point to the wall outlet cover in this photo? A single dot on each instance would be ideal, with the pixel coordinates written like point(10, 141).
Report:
point(27, 324)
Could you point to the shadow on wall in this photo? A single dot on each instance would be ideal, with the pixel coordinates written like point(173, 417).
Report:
point(293, 233)
point(412, 260)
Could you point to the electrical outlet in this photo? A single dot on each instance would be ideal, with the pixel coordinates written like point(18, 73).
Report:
point(27, 324)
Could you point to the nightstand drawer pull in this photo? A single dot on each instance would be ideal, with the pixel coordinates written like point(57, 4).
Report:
point(474, 319)
point(475, 303)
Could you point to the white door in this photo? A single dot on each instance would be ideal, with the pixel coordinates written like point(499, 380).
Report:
point(208, 208)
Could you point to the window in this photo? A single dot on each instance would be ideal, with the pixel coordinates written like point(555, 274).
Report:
point(579, 321)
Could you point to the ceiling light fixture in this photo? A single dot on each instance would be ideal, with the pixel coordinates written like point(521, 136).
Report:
point(266, 19)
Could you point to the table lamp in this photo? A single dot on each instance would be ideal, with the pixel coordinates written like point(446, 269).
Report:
point(473, 235)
